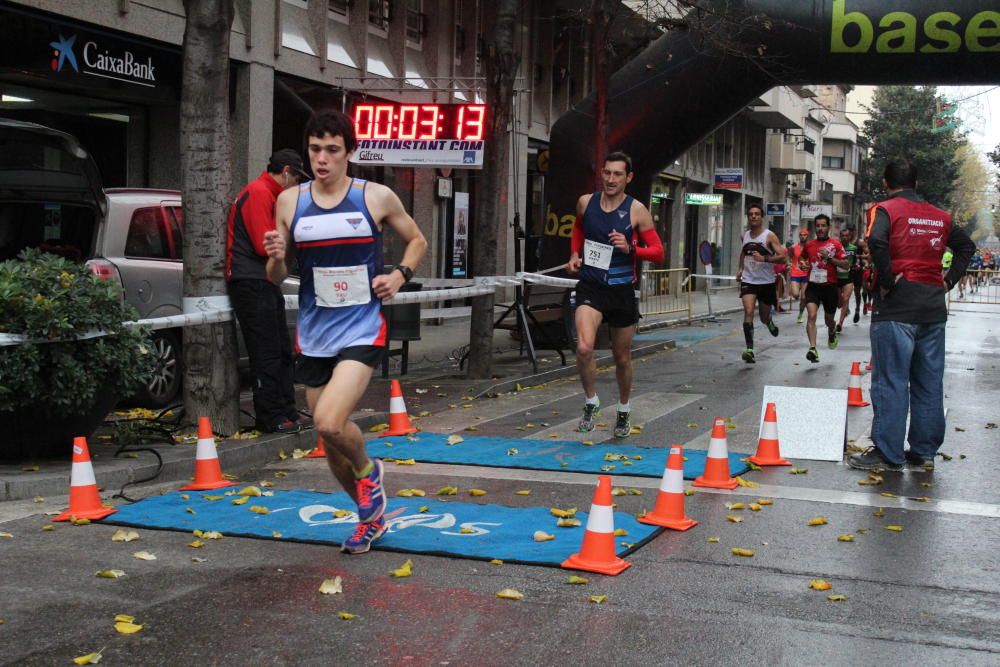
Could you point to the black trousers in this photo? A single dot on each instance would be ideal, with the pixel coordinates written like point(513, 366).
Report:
point(260, 310)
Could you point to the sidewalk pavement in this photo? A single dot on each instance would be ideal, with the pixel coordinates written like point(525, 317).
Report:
point(433, 370)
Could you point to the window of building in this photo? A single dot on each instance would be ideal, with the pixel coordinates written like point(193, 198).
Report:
point(808, 145)
point(833, 162)
point(380, 13)
point(338, 7)
point(416, 21)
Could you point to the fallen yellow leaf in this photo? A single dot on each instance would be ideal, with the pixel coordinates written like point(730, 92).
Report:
point(124, 536)
point(510, 594)
point(345, 616)
point(378, 428)
point(689, 492)
point(820, 585)
point(817, 521)
point(406, 462)
point(765, 501)
point(249, 491)
point(836, 598)
point(754, 507)
point(89, 659)
point(275, 534)
point(845, 538)
point(30, 469)
point(424, 509)
point(127, 628)
point(895, 529)
point(879, 513)
point(209, 535)
point(573, 579)
point(747, 483)
point(241, 501)
point(197, 544)
point(735, 506)
point(798, 471)
point(523, 492)
point(259, 509)
point(143, 555)
point(568, 522)
point(496, 561)
point(4, 533)
point(542, 536)
point(713, 539)
point(124, 618)
point(597, 599)
point(189, 510)
point(47, 527)
point(340, 514)
point(454, 439)
point(886, 494)
point(734, 519)
point(742, 552)
point(39, 499)
point(620, 532)
point(79, 522)
point(405, 570)
point(448, 491)
point(562, 514)
point(281, 473)
point(476, 492)
point(466, 531)
point(211, 498)
point(111, 574)
point(331, 586)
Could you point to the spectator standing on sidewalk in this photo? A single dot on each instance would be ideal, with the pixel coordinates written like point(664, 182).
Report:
point(907, 242)
point(258, 303)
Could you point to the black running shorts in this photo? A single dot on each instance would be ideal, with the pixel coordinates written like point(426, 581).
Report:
point(317, 371)
point(828, 295)
point(764, 293)
point(616, 303)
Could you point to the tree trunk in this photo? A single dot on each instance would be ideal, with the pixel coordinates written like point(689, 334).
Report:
point(600, 22)
point(211, 383)
point(501, 64)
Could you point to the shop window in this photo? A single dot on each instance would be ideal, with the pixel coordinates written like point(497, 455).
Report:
point(148, 235)
point(380, 13)
point(416, 21)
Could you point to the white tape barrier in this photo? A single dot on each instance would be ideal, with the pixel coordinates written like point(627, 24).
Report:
point(213, 309)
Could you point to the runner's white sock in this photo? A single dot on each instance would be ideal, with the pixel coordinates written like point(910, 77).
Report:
point(624, 407)
point(592, 400)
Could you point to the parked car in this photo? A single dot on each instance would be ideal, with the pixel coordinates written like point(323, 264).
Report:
point(51, 198)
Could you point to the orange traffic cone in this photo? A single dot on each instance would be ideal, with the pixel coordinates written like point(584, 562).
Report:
point(84, 499)
point(597, 554)
point(768, 450)
point(399, 420)
point(855, 399)
point(716, 474)
point(318, 452)
point(207, 471)
point(669, 509)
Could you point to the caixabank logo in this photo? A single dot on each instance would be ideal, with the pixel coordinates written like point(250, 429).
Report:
point(119, 65)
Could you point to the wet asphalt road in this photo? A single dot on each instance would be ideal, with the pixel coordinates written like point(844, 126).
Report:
point(929, 593)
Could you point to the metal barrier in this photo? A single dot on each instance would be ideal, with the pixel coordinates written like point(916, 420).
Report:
point(978, 286)
point(665, 291)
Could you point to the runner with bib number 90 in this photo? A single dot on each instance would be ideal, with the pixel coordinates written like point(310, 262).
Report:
point(604, 252)
point(335, 225)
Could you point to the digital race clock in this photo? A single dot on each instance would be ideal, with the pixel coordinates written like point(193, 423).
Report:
point(419, 135)
point(391, 120)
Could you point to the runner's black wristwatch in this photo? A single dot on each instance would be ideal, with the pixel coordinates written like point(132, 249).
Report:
point(405, 270)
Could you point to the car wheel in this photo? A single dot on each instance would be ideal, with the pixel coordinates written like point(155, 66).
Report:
point(164, 386)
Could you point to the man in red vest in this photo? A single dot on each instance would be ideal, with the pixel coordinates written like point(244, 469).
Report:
point(906, 242)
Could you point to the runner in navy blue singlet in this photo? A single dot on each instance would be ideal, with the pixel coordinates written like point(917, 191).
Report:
point(334, 223)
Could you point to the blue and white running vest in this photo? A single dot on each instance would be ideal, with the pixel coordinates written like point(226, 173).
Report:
point(337, 249)
point(597, 224)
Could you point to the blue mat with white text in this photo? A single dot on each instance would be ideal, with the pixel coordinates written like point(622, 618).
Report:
point(543, 455)
point(417, 525)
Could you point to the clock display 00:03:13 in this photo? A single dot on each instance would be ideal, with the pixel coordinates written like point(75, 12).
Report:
point(427, 122)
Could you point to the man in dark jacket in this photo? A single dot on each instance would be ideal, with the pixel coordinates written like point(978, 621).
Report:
point(907, 240)
point(259, 305)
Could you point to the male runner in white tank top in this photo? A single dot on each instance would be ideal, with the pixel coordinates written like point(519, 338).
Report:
point(761, 249)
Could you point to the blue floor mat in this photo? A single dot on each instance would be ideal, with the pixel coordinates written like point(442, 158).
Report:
point(544, 455)
point(497, 531)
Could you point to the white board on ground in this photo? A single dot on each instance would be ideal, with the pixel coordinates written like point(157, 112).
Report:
point(811, 422)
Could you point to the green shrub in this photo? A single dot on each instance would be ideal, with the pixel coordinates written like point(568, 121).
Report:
point(48, 298)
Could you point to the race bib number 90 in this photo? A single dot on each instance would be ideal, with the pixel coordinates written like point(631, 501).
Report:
point(340, 286)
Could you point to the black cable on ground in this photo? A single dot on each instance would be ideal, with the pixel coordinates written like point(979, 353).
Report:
point(153, 430)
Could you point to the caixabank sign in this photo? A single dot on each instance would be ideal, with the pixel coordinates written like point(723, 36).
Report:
point(35, 47)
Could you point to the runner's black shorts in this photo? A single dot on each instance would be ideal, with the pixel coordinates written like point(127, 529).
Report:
point(764, 293)
point(828, 295)
point(854, 278)
point(317, 371)
point(617, 303)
